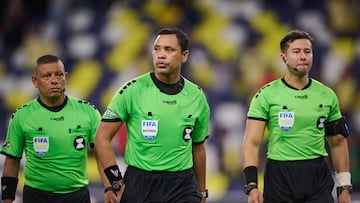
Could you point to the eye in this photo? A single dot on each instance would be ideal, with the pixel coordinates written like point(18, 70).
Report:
point(169, 50)
point(46, 76)
point(59, 75)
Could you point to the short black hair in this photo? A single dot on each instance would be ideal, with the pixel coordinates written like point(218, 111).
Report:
point(180, 35)
point(45, 59)
point(293, 35)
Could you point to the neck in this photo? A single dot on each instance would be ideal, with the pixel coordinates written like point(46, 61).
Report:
point(53, 101)
point(167, 79)
point(296, 82)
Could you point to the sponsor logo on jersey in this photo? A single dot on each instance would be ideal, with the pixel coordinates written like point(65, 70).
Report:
point(149, 129)
point(301, 97)
point(6, 145)
point(172, 102)
point(286, 120)
point(187, 133)
point(79, 143)
point(41, 145)
point(111, 114)
point(61, 118)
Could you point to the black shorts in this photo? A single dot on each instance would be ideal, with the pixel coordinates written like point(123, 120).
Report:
point(32, 195)
point(308, 181)
point(160, 187)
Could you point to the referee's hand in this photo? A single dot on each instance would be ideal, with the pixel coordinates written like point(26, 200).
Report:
point(345, 197)
point(111, 197)
point(255, 196)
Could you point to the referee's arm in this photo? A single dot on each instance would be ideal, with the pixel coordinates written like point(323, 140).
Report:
point(9, 178)
point(254, 132)
point(105, 155)
point(340, 158)
point(199, 158)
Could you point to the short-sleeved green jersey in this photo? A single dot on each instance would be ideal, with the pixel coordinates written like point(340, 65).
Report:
point(295, 118)
point(160, 127)
point(55, 142)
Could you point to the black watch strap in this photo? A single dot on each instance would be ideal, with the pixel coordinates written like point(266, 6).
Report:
point(339, 189)
point(249, 187)
point(115, 187)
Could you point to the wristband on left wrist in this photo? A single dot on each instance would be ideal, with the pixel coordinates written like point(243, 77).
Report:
point(114, 176)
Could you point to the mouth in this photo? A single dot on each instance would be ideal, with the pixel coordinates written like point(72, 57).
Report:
point(55, 89)
point(161, 64)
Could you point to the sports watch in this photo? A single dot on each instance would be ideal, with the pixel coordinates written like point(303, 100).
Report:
point(116, 185)
point(205, 194)
point(344, 187)
point(248, 188)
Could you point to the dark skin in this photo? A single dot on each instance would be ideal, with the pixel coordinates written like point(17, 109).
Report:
point(167, 61)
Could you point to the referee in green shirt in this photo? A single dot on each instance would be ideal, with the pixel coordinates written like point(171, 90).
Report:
point(299, 113)
point(54, 131)
point(167, 119)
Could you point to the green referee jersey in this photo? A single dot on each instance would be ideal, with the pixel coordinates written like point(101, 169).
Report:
point(295, 118)
point(160, 127)
point(55, 142)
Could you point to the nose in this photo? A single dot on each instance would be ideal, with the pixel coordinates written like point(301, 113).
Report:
point(54, 79)
point(302, 55)
point(161, 54)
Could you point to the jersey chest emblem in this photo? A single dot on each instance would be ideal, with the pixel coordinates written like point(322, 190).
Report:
point(187, 133)
point(149, 129)
point(79, 143)
point(41, 145)
point(286, 120)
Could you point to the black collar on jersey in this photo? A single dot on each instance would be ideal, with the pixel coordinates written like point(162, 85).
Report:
point(54, 108)
point(287, 84)
point(166, 88)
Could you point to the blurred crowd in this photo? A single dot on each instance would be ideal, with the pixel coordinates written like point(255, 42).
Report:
point(234, 50)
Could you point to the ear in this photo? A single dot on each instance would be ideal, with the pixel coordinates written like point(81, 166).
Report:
point(34, 81)
point(283, 57)
point(184, 56)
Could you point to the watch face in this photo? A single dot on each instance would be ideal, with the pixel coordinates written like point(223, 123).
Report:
point(205, 194)
point(248, 188)
point(116, 186)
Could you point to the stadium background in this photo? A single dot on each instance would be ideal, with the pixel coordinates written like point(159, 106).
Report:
point(234, 49)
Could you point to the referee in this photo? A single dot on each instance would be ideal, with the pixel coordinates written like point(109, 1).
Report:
point(299, 113)
point(54, 131)
point(167, 120)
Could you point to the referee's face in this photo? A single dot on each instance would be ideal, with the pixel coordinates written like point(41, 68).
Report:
point(299, 57)
point(50, 80)
point(168, 58)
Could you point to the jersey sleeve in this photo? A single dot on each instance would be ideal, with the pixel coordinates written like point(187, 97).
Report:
point(14, 141)
point(117, 109)
point(95, 119)
point(259, 108)
point(201, 131)
point(335, 112)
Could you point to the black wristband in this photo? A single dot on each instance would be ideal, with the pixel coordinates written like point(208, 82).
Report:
point(250, 173)
point(114, 176)
point(8, 187)
point(110, 188)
